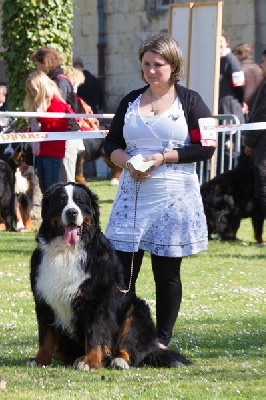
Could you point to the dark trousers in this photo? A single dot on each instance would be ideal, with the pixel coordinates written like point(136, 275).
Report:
point(166, 273)
point(48, 171)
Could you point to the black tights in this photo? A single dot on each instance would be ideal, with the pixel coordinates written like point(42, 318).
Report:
point(166, 273)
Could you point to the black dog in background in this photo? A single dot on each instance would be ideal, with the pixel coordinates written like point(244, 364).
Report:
point(17, 184)
point(230, 197)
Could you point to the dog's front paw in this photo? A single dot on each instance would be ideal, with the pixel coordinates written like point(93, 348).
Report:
point(33, 363)
point(119, 363)
point(81, 365)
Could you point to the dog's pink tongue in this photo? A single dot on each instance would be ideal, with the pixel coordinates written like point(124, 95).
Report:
point(71, 235)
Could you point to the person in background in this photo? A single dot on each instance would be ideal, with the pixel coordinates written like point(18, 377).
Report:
point(159, 123)
point(3, 105)
point(49, 61)
point(255, 141)
point(232, 82)
point(91, 89)
point(252, 71)
point(3, 94)
point(43, 95)
point(91, 92)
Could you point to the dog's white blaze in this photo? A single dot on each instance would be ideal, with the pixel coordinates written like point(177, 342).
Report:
point(60, 275)
point(21, 183)
point(71, 204)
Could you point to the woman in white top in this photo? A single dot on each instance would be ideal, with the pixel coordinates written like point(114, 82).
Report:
point(158, 210)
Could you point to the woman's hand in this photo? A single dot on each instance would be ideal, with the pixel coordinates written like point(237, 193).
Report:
point(158, 158)
point(138, 176)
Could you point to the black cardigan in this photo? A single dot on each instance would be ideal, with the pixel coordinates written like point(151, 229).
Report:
point(194, 108)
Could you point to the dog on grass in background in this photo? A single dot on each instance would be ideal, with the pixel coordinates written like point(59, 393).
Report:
point(85, 316)
point(230, 197)
point(20, 188)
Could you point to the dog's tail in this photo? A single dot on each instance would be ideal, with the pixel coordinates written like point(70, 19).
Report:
point(165, 358)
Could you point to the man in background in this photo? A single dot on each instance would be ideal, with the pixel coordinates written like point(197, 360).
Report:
point(252, 71)
point(232, 82)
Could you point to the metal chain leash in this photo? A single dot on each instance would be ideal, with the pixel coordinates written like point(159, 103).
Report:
point(133, 243)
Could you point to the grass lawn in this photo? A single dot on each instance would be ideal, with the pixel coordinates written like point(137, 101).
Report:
point(221, 327)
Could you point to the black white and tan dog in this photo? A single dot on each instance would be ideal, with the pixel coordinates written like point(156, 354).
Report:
point(85, 316)
point(18, 193)
point(94, 150)
point(230, 197)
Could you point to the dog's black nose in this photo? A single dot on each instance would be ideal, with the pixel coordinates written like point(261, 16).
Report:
point(71, 214)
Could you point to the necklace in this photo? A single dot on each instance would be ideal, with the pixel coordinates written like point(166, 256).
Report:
point(154, 100)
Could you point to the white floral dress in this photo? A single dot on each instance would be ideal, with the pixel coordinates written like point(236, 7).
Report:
point(170, 219)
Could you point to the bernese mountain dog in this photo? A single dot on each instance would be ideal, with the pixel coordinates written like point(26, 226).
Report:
point(230, 197)
point(17, 184)
point(85, 315)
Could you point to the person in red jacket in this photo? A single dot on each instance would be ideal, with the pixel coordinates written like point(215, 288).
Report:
point(43, 95)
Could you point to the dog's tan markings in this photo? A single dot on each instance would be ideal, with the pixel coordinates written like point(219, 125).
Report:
point(76, 197)
point(47, 348)
point(122, 352)
point(27, 222)
point(87, 221)
point(91, 361)
point(126, 325)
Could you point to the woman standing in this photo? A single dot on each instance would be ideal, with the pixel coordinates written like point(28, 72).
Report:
point(43, 96)
point(48, 60)
point(160, 122)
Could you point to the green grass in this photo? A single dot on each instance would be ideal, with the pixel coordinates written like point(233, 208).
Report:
point(221, 327)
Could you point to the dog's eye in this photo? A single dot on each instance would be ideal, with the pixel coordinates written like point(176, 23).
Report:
point(78, 200)
point(62, 198)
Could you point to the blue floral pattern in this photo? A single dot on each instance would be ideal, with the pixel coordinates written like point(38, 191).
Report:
point(170, 219)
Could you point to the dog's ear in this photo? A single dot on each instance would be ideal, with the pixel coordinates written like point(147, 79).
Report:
point(46, 197)
point(94, 202)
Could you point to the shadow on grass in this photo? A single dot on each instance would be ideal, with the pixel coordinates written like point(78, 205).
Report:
point(212, 339)
point(222, 338)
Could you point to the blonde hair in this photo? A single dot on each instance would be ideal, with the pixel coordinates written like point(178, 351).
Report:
point(40, 91)
point(76, 76)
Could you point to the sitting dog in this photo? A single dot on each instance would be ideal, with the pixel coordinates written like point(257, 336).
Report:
point(23, 186)
point(25, 181)
point(84, 313)
point(228, 198)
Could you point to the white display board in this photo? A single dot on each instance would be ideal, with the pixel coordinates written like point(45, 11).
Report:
point(197, 28)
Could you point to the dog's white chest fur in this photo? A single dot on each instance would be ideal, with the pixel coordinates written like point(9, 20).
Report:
point(21, 183)
point(60, 275)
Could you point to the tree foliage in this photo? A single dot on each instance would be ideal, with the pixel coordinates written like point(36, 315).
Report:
point(27, 25)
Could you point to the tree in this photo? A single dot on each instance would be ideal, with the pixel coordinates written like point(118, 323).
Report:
point(27, 25)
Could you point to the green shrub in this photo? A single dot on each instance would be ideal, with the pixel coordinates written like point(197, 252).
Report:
point(27, 25)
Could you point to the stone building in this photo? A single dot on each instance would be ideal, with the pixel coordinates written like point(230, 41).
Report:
point(107, 34)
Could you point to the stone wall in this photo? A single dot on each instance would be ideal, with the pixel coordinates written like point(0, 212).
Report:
point(125, 25)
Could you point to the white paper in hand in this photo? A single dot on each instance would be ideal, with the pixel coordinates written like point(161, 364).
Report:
point(139, 164)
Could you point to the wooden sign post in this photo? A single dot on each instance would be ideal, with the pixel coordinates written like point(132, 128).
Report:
point(197, 28)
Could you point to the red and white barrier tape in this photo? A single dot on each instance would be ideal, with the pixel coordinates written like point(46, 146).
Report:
point(19, 137)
